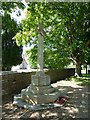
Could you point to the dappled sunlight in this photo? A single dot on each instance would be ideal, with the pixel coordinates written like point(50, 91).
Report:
point(75, 107)
point(69, 83)
point(29, 100)
point(44, 114)
point(36, 115)
point(72, 109)
point(54, 85)
point(52, 114)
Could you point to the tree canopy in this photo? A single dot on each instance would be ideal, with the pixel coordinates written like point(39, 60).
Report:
point(35, 13)
point(67, 33)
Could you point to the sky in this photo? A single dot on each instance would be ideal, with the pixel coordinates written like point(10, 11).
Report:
point(19, 18)
point(22, 12)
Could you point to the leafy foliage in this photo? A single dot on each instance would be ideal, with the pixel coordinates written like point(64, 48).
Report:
point(36, 13)
point(67, 28)
point(77, 25)
point(11, 53)
point(78, 30)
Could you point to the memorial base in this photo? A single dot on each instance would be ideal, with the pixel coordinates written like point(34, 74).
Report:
point(39, 92)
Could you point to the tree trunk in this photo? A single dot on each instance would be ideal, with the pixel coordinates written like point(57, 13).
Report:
point(86, 69)
point(78, 69)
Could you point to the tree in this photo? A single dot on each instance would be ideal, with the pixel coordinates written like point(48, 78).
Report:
point(75, 18)
point(11, 53)
point(67, 28)
point(55, 57)
point(77, 24)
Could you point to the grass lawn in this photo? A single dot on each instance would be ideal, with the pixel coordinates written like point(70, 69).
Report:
point(84, 80)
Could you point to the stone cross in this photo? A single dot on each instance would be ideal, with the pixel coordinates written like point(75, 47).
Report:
point(39, 92)
point(40, 48)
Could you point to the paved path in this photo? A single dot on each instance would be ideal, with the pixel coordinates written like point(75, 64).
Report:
point(76, 107)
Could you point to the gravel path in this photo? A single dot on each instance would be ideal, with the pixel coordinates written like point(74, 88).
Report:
point(76, 107)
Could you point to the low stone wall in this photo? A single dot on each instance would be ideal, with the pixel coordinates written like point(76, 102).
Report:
point(58, 74)
point(13, 82)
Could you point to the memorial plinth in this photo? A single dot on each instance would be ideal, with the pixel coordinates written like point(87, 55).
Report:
point(40, 91)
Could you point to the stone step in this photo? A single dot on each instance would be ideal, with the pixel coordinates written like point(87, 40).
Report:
point(40, 98)
point(40, 87)
point(40, 90)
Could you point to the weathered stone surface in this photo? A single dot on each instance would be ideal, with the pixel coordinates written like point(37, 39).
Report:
point(40, 98)
point(40, 80)
point(18, 101)
point(40, 91)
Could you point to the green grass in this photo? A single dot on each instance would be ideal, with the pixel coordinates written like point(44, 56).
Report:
point(85, 75)
point(84, 80)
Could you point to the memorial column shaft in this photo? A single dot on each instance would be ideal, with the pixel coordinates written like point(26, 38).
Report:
point(40, 47)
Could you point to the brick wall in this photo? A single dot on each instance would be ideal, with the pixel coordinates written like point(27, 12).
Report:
point(14, 82)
